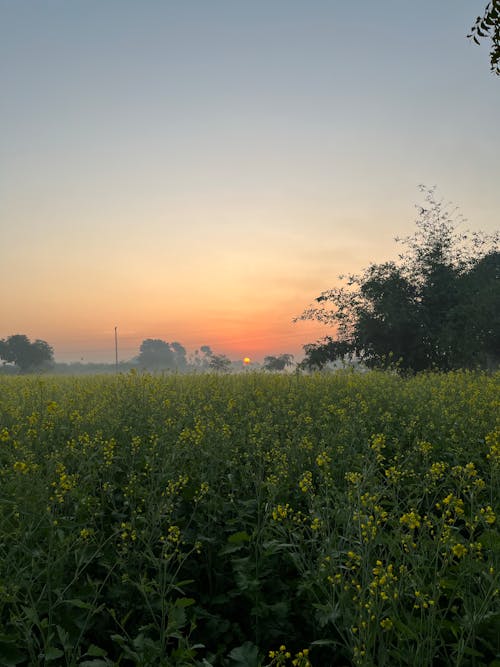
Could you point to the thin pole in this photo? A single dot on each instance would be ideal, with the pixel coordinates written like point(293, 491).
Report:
point(116, 348)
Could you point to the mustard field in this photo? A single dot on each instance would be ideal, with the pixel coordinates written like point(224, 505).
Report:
point(250, 520)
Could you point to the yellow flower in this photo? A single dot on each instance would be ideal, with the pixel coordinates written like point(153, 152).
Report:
point(424, 446)
point(459, 550)
point(322, 459)
point(410, 519)
point(316, 524)
point(488, 515)
point(85, 533)
point(353, 478)
point(174, 534)
point(306, 482)
point(280, 512)
point(386, 624)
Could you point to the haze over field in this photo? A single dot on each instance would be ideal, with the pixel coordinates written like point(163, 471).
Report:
point(200, 171)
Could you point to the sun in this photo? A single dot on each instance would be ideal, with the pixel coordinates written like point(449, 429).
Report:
point(246, 361)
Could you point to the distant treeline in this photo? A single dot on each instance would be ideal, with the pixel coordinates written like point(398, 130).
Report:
point(19, 355)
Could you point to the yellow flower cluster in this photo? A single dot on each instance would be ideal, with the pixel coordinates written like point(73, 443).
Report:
point(128, 533)
point(323, 459)
point(378, 443)
point(108, 451)
point(175, 486)
point(282, 655)
point(493, 441)
point(411, 520)
point(370, 518)
point(281, 512)
point(306, 482)
point(488, 515)
point(201, 492)
point(63, 484)
point(394, 474)
point(354, 478)
point(21, 466)
point(423, 600)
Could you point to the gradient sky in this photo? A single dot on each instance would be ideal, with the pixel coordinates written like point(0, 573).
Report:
point(200, 170)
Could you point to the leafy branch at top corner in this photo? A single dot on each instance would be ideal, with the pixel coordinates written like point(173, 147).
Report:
point(488, 27)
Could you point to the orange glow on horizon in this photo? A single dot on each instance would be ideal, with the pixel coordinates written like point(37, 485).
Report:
point(249, 343)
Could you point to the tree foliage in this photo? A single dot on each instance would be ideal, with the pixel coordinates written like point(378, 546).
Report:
point(27, 356)
point(156, 354)
point(219, 363)
point(279, 363)
point(488, 27)
point(437, 307)
point(205, 359)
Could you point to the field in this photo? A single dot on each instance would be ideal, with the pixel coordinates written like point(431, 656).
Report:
point(250, 520)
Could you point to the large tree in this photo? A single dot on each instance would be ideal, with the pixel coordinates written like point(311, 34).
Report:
point(279, 363)
point(219, 363)
point(437, 307)
point(27, 356)
point(157, 354)
point(179, 352)
point(488, 27)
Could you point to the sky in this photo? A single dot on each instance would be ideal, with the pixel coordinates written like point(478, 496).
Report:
point(199, 171)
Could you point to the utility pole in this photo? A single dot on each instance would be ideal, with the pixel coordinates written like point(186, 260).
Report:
point(116, 348)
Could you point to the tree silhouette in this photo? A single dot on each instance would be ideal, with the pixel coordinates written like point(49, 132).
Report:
point(438, 307)
point(155, 354)
point(25, 355)
point(219, 363)
point(278, 363)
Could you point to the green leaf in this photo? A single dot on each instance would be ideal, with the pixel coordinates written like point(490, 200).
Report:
point(231, 549)
point(472, 652)
point(96, 651)
point(405, 630)
point(239, 537)
point(176, 621)
point(31, 615)
point(184, 602)
point(324, 642)
point(490, 539)
point(453, 627)
point(179, 585)
point(78, 603)
point(447, 584)
point(275, 546)
point(121, 641)
point(246, 655)
point(10, 655)
point(53, 653)
point(327, 613)
point(63, 637)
